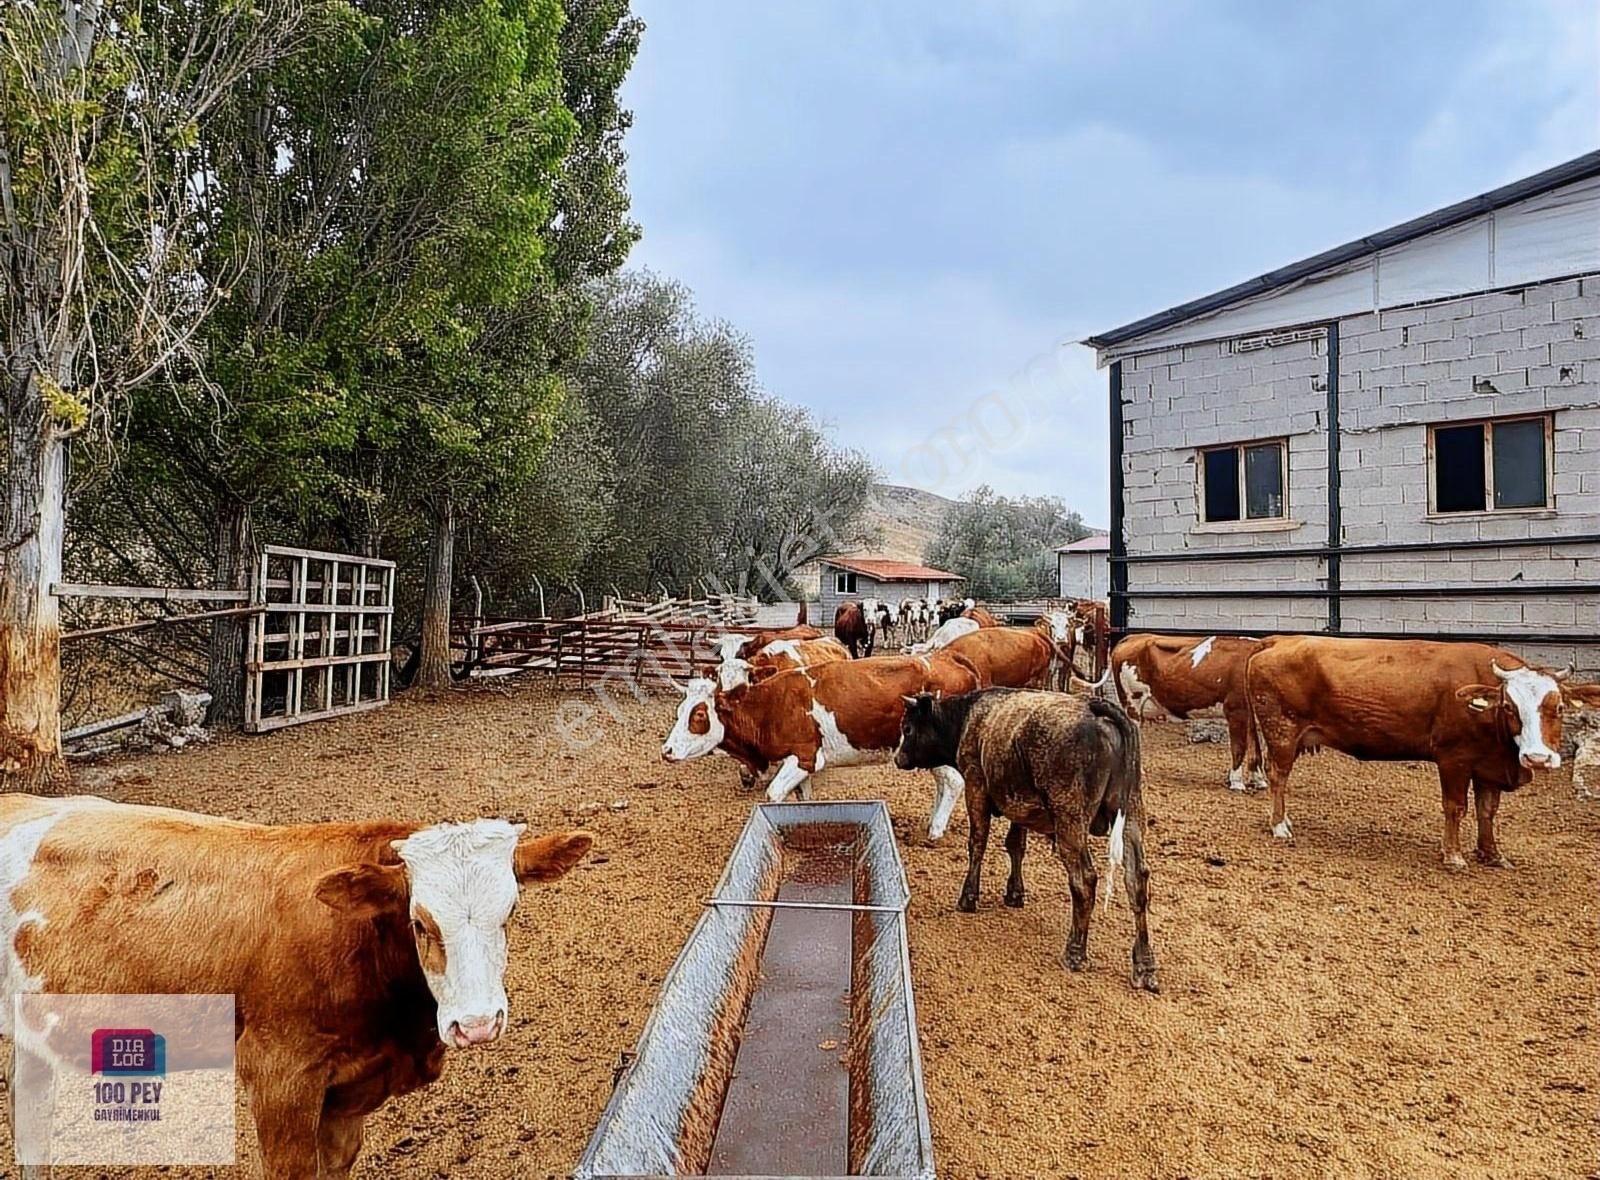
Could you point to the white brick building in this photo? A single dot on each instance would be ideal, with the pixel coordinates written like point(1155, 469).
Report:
point(1397, 436)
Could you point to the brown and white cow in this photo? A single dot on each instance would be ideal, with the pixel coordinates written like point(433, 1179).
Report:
point(743, 645)
point(356, 953)
point(1482, 715)
point(947, 633)
point(980, 615)
point(1012, 657)
point(781, 655)
point(853, 628)
point(1174, 676)
point(813, 719)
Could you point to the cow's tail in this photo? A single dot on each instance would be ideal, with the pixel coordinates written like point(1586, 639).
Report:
point(1124, 780)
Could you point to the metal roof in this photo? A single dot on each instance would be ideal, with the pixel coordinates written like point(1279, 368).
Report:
point(887, 569)
point(1581, 168)
point(1094, 543)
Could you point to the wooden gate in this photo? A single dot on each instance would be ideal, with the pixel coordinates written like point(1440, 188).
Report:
point(320, 645)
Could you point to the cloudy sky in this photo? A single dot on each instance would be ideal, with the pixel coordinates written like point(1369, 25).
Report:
point(914, 208)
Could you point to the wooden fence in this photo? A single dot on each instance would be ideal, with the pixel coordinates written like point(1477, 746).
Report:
point(631, 652)
point(319, 646)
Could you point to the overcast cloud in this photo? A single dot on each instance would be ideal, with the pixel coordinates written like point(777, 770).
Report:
point(914, 209)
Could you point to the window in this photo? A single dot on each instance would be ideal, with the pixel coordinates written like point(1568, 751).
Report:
point(1245, 481)
point(1491, 466)
point(844, 583)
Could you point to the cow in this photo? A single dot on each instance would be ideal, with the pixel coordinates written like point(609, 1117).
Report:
point(736, 645)
point(1061, 630)
point(780, 655)
point(357, 953)
point(979, 615)
point(1176, 676)
point(1480, 714)
point(888, 621)
point(852, 626)
point(947, 633)
point(950, 610)
point(1014, 657)
point(809, 720)
point(1065, 767)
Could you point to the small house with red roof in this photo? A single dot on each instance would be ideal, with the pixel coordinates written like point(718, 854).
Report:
point(850, 579)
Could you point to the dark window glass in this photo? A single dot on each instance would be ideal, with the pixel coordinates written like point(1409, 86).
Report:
point(1458, 468)
point(1222, 484)
point(1263, 481)
point(1519, 464)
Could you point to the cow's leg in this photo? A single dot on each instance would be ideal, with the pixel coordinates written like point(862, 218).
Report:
point(791, 776)
point(1072, 846)
point(1242, 747)
point(1487, 801)
point(1280, 758)
point(1453, 793)
point(287, 1104)
point(1016, 845)
point(977, 843)
point(1136, 877)
point(947, 786)
point(339, 1140)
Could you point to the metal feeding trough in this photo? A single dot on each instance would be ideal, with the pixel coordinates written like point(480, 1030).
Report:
point(784, 1041)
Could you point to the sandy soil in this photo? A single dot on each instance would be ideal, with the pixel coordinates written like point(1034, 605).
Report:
point(1335, 1006)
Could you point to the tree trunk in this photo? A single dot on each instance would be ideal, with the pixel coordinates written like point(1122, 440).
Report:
point(434, 670)
point(30, 618)
point(230, 570)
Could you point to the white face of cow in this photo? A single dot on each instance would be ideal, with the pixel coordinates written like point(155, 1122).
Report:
point(732, 673)
point(1060, 625)
point(727, 646)
point(1536, 697)
point(698, 730)
point(457, 884)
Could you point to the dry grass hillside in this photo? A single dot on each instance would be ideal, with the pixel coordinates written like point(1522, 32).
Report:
point(908, 518)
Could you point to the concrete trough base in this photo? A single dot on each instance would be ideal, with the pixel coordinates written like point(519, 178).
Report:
point(784, 1039)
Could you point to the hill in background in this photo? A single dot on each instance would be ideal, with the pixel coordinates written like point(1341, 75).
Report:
point(909, 519)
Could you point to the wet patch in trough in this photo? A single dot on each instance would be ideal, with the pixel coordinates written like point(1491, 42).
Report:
point(784, 1038)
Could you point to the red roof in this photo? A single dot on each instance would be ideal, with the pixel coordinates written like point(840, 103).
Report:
point(1097, 543)
point(888, 570)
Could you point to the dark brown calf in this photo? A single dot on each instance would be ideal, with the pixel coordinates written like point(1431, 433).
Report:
point(1062, 766)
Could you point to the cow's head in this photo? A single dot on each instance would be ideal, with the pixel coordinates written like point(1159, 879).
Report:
point(1528, 702)
point(927, 739)
point(698, 730)
point(457, 883)
point(732, 673)
point(728, 646)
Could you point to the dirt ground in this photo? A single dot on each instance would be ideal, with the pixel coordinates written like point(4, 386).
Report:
point(1336, 1006)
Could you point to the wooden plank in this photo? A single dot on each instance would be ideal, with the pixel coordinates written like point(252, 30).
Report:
point(324, 555)
point(120, 628)
point(289, 608)
point(300, 663)
point(268, 724)
point(150, 593)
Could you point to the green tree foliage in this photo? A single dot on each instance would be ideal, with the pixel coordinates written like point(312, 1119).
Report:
point(1005, 547)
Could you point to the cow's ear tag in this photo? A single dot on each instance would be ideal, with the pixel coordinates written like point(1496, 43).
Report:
point(1478, 704)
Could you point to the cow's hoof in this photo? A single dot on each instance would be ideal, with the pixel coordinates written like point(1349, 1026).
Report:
point(1015, 900)
point(1455, 862)
point(1257, 785)
point(1144, 978)
point(1284, 830)
point(1494, 860)
point(1075, 960)
point(966, 904)
point(1237, 784)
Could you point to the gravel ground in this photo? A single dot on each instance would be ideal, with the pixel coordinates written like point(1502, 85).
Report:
point(1336, 1006)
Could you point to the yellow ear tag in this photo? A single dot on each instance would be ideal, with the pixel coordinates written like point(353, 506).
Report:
point(1477, 704)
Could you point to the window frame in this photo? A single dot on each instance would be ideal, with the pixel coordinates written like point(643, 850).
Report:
point(1487, 425)
point(844, 581)
point(1244, 520)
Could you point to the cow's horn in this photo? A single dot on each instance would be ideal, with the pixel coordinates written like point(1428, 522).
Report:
point(1499, 671)
point(1565, 672)
point(909, 700)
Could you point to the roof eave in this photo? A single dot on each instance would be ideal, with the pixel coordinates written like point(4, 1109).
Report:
point(1581, 168)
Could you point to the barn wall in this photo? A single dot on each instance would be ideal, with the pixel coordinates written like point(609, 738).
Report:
point(1486, 355)
point(1083, 575)
point(866, 587)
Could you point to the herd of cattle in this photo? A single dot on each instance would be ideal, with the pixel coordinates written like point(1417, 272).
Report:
point(359, 953)
point(973, 705)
